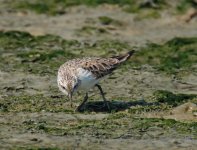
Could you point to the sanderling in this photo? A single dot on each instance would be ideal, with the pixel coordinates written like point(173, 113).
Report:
point(85, 73)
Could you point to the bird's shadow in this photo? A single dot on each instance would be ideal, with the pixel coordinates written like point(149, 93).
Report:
point(115, 105)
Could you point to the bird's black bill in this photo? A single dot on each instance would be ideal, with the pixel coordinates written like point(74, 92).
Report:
point(70, 99)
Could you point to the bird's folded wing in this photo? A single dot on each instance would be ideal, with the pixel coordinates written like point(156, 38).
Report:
point(100, 67)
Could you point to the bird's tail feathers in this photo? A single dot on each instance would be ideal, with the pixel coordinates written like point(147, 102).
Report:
point(124, 57)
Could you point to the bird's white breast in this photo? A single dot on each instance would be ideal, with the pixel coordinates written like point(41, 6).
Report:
point(87, 79)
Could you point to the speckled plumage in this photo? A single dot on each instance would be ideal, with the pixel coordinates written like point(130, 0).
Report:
point(84, 73)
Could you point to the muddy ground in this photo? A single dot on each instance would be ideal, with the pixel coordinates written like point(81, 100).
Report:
point(153, 95)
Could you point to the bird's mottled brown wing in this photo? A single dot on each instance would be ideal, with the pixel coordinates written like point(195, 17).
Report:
point(100, 66)
point(104, 66)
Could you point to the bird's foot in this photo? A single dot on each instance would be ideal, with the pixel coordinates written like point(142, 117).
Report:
point(106, 104)
point(79, 108)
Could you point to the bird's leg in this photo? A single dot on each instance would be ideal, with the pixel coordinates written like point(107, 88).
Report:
point(71, 104)
point(81, 105)
point(70, 98)
point(103, 96)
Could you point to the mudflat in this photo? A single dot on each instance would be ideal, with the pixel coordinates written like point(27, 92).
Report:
point(153, 95)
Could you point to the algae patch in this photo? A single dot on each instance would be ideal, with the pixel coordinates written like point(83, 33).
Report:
point(91, 30)
point(44, 54)
point(171, 98)
point(26, 51)
point(141, 8)
point(34, 103)
point(117, 125)
point(184, 5)
point(54, 7)
point(176, 55)
point(104, 20)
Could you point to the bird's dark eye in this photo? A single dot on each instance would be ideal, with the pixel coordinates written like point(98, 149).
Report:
point(63, 87)
point(75, 86)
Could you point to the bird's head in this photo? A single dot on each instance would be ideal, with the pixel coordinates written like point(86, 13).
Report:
point(68, 85)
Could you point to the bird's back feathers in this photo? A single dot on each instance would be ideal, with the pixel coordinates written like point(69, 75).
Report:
point(99, 67)
point(104, 66)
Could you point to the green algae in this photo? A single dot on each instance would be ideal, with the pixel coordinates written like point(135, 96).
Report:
point(154, 107)
point(19, 40)
point(36, 54)
point(184, 5)
point(91, 30)
point(58, 7)
point(44, 54)
point(33, 103)
point(171, 98)
point(176, 55)
point(142, 9)
point(104, 20)
point(148, 14)
point(117, 125)
point(124, 123)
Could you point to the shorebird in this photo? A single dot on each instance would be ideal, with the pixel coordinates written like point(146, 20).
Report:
point(85, 73)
